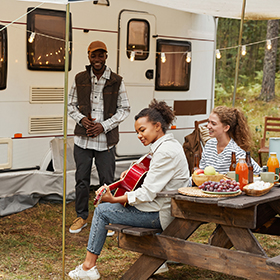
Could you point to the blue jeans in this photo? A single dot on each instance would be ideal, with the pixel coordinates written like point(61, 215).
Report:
point(116, 213)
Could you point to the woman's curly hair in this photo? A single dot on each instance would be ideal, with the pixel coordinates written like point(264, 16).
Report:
point(239, 128)
point(158, 112)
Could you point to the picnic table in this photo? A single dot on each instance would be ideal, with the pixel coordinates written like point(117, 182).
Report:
point(236, 219)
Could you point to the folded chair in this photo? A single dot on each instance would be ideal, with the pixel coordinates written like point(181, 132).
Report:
point(271, 124)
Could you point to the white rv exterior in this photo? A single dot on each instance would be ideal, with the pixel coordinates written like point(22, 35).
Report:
point(21, 113)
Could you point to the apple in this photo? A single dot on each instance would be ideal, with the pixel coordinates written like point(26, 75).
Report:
point(209, 170)
point(198, 171)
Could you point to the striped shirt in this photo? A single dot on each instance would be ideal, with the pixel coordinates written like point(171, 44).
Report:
point(221, 162)
point(98, 143)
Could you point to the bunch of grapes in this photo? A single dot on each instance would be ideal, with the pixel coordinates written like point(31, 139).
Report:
point(222, 186)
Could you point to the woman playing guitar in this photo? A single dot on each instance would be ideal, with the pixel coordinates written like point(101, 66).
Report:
point(168, 170)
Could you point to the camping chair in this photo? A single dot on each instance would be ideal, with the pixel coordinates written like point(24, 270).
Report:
point(197, 123)
point(203, 133)
point(270, 124)
point(192, 144)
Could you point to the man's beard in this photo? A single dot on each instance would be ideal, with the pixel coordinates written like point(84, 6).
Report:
point(102, 67)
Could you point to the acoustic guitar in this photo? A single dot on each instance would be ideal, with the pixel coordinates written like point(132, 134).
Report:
point(131, 181)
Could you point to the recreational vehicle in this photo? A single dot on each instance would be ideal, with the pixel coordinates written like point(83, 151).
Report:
point(160, 52)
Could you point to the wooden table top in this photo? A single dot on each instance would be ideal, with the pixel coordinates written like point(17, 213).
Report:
point(238, 202)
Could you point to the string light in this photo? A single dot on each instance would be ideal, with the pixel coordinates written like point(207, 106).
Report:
point(243, 50)
point(132, 56)
point(268, 44)
point(162, 57)
point(189, 57)
point(31, 37)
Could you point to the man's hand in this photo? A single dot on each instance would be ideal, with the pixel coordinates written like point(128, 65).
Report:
point(93, 128)
point(86, 122)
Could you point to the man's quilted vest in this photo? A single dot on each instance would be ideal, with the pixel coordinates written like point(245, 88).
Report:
point(110, 97)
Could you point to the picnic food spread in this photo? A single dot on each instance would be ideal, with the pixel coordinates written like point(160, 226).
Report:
point(258, 188)
point(224, 186)
point(213, 183)
point(200, 176)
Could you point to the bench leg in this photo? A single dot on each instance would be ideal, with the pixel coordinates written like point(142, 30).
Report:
point(143, 268)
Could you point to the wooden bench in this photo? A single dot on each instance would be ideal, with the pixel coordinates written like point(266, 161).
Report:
point(135, 231)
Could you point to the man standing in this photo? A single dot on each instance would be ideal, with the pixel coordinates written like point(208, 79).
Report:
point(98, 103)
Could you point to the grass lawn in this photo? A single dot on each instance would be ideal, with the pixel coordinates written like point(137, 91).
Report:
point(31, 248)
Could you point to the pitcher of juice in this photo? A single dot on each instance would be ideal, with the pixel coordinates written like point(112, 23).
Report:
point(242, 172)
point(273, 163)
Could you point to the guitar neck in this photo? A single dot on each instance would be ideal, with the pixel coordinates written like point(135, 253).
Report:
point(115, 185)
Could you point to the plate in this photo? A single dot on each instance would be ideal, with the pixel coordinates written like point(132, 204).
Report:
point(221, 193)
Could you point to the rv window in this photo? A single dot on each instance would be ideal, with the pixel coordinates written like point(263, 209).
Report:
point(138, 33)
point(46, 40)
point(172, 68)
point(3, 57)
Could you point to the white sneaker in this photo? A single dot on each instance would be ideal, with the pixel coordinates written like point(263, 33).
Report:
point(79, 273)
point(163, 268)
point(110, 233)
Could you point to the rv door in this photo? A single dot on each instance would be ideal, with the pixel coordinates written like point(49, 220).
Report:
point(136, 64)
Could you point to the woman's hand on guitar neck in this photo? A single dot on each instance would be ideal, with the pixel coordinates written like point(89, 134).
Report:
point(108, 197)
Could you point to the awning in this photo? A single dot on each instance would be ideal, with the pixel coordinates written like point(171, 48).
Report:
point(255, 9)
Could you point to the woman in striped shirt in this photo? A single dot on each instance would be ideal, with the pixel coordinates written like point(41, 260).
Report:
point(230, 132)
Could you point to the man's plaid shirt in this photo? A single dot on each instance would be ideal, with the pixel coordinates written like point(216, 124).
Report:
point(98, 143)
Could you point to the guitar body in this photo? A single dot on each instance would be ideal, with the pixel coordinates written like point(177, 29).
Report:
point(131, 181)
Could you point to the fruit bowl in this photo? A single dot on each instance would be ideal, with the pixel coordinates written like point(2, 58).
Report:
point(200, 179)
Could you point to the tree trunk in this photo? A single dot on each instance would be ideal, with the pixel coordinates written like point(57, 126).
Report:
point(269, 65)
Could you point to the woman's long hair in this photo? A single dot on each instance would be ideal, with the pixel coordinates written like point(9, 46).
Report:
point(239, 128)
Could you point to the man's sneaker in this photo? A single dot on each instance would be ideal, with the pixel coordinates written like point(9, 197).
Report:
point(79, 273)
point(78, 225)
point(163, 268)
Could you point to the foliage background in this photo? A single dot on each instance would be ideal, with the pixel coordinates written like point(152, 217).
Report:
point(250, 75)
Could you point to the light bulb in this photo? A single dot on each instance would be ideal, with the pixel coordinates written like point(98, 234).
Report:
point(189, 57)
point(218, 54)
point(162, 57)
point(132, 56)
point(243, 50)
point(268, 44)
point(31, 37)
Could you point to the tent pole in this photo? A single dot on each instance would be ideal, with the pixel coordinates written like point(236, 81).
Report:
point(238, 52)
point(65, 133)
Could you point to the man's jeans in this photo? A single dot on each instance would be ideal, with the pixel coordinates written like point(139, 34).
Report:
point(116, 213)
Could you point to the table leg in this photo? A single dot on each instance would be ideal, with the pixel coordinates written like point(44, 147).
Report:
point(275, 206)
point(243, 240)
point(219, 238)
